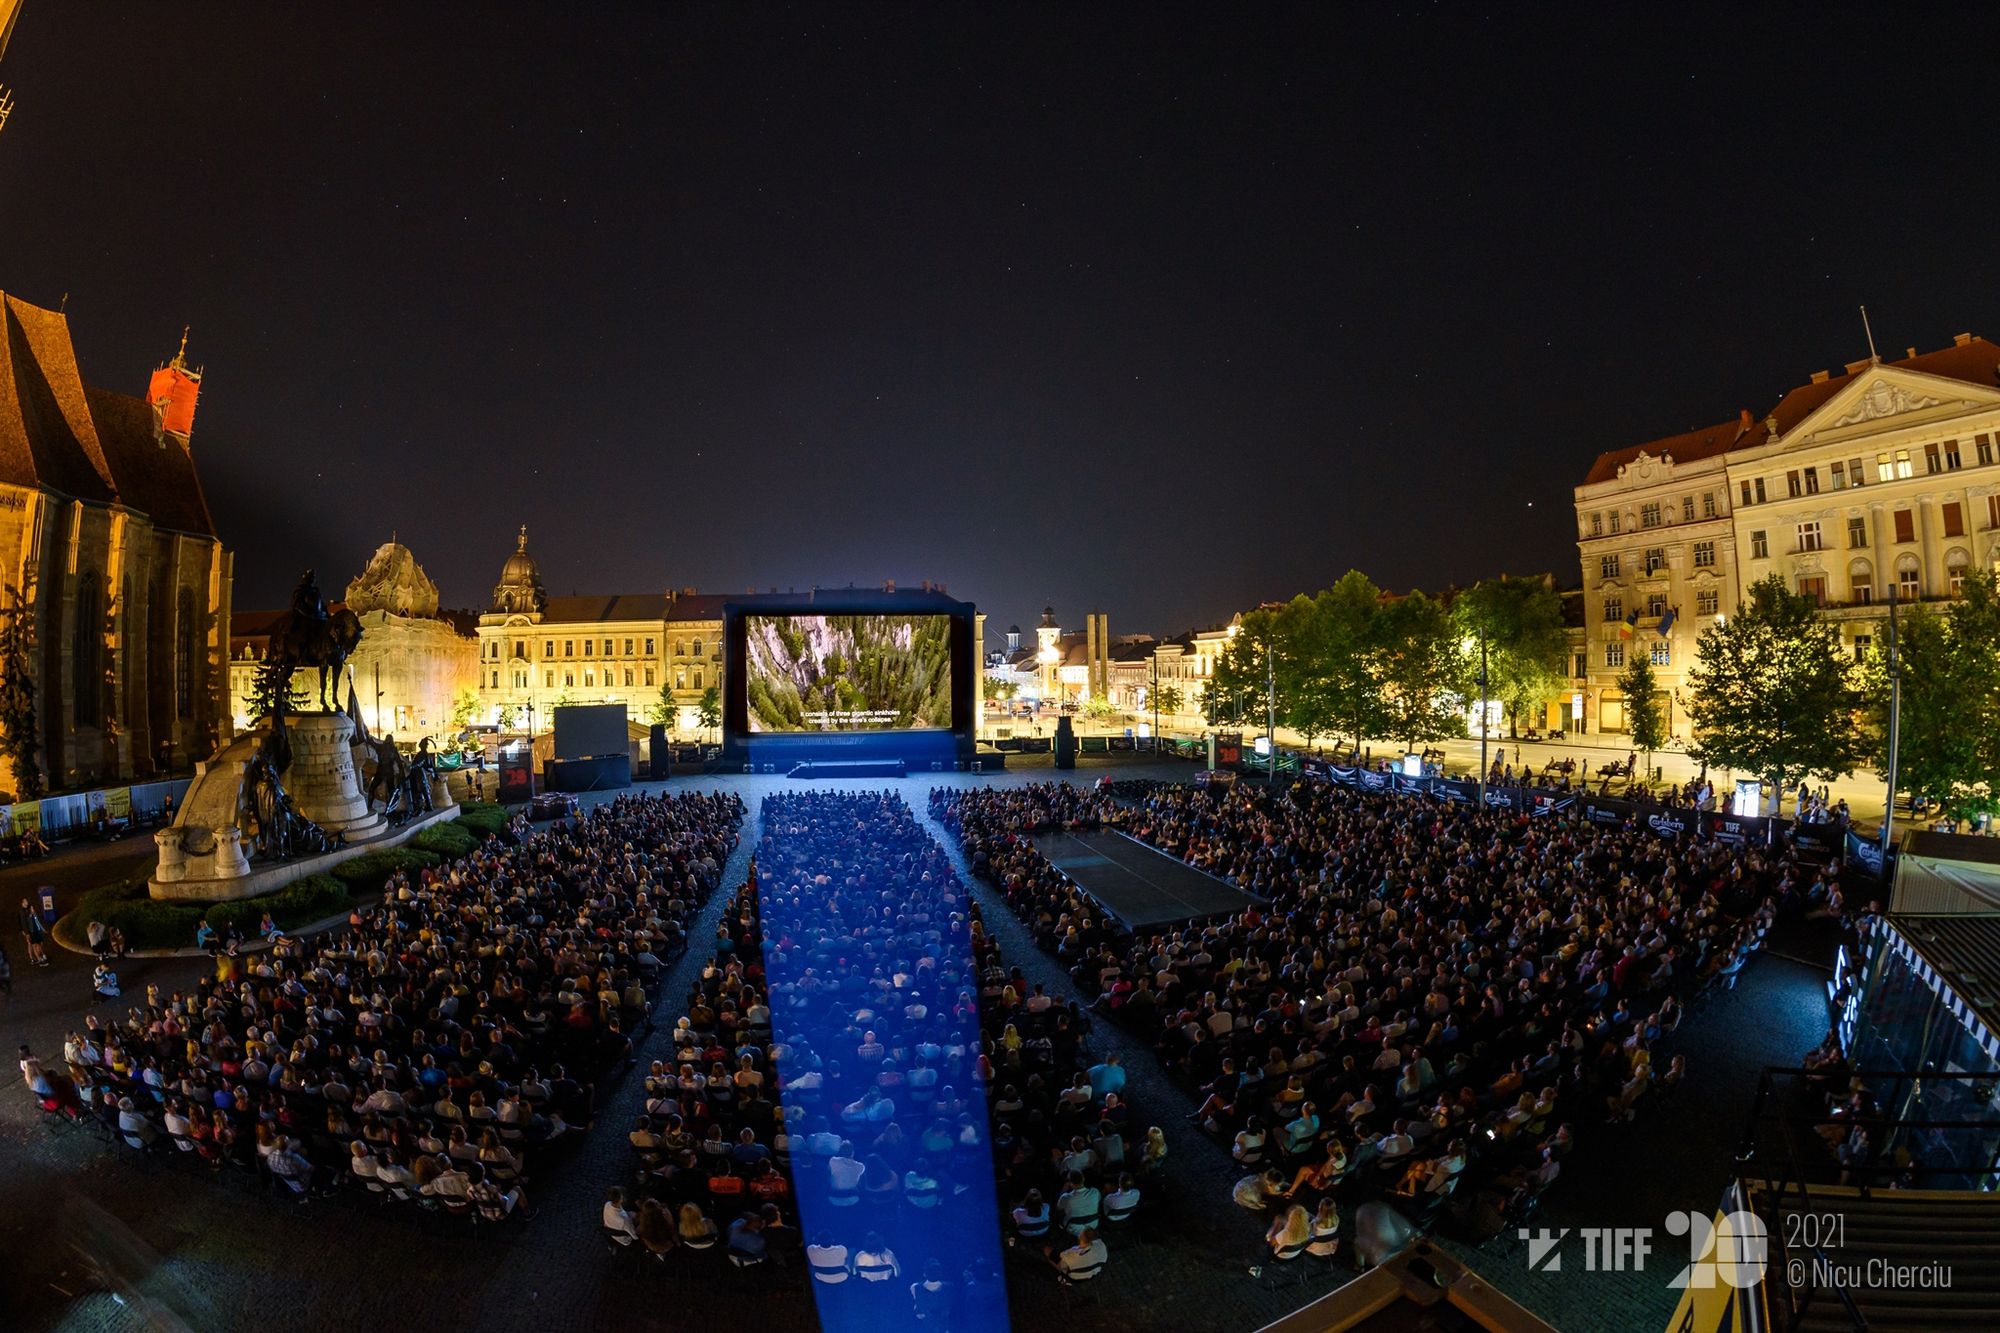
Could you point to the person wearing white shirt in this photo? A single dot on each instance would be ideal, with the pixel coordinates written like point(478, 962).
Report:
point(875, 1261)
point(619, 1223)
point(829, 1262)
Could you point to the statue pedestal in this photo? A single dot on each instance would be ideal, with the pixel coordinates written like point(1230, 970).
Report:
point(322, 782)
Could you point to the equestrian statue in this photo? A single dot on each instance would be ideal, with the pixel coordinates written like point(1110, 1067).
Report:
point(308, 635)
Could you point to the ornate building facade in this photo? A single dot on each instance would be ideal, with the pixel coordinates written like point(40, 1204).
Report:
point(108, 541)
point(1886, 474)
point(413, 661)
point(536, 651)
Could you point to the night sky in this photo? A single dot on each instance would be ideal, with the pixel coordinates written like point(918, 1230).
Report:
point(1159, 311)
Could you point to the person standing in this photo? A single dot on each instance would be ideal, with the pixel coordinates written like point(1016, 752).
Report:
point(34, 933)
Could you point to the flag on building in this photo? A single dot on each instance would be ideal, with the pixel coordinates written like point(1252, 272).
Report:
point(1629, 625)
point(1666, 622)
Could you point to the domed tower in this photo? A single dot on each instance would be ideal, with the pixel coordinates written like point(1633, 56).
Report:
point(520, 591)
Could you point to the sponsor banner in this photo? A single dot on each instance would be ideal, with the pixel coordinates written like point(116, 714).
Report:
point(1670, 823)
point(1606, 810)
point(118, 803)
point(1818, 843)
point(1865, 853)
point(1739, 829)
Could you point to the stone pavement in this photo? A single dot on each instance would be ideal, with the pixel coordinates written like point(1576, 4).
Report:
point(223, 1256)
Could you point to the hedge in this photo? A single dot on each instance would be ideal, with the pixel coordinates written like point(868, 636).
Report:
point(171, 925)
point(448, 840)
point(367, 872)
point(483, 817)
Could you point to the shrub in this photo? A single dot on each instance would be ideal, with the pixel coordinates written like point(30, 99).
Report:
point(483, 818)
point(448, 840)
point(369, 871)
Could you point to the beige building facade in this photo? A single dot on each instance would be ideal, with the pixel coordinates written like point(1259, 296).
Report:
point(536, 651)
point(1886, 474)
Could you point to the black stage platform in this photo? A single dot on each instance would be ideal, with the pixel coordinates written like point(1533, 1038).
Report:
point(851, 768)
point(1142, 887)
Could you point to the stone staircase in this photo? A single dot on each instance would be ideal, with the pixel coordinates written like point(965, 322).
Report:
point(1958, 1232)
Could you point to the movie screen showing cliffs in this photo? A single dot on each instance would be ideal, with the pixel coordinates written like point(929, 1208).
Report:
point(847, 673)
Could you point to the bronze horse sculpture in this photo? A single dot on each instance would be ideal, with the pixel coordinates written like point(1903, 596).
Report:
point(308, 635)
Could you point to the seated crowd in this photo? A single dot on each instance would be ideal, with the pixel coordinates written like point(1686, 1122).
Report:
point(853, 1064)
point(431, 1048)
point(1427, 993)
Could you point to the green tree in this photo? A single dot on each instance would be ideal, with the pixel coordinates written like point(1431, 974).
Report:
point(1771, 694)
point(1527, 645)
point(1098, 708)
point(709, 711)
point(1347, 644)
point(1168, 699)
point(663, 710)
point(464, 706)
point(1236, 690)
point(20, 724)
point(508, 717)
point(1948, 751)
point(1422, 672)
point(1643, 717)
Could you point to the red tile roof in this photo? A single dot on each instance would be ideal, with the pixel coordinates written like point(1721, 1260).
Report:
point(1975, 361)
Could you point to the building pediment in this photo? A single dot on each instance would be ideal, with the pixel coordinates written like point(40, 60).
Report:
point(1890, 398)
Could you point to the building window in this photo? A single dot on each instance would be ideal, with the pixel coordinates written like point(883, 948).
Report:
point(569, 647)
point(680, 678)
point(1687, 508)
point(1812, 481)
point(1760, 546)
point(1582, 665)
point(697, 648)
point(1614, 610)
point(1792, 487)
point(1597, 525)
point(1656, 559)
point(1953, 514)
point(607, 647)
point(1903, 463)
point(1812, 587)
point(1704, 555)
point(628, 675)
point(1931, 458)
point(569, 679)
point(1649, 515)
point(649, 647)
point(548, 648)
point(680, 648)
point(1955, 563)
point(588, 645)
point(1707, 602)
point(548, 680)
point(1909, 578)
point(1906, 526)
point(1984, 444)
point(1809, 536)
point(1862, 643)
point(1656, 605)
point(1993, 511)
point(1708, 504)
point(1857, 533)
point(1860, 582)
point(520, 680)
point(628, 653)
point(697, 677)
point(1855, 476)
point(1607, 566)
point(86, 652)
point(1663, 653)
point(1839, 471)
point(1746, 494)
point(649, 677)
point(1614, 654)
point(1952, 461)
point(1615, 522)
point(590, 678)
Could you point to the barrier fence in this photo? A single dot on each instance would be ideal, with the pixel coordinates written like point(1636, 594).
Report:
point(78, 812)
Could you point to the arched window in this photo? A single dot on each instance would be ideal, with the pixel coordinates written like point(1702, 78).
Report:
point(1956, 561)
point(1860, 582)
point(86, 652)
point(187, 654)
point(1909, 577)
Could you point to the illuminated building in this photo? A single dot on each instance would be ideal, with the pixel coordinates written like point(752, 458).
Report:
point(536, 651)
point(108, 538)
point(1887, 473)
point(413, 660)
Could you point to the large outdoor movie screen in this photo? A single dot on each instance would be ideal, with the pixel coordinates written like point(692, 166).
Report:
point(847, 673)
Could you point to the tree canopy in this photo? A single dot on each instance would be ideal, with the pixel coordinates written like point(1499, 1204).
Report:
point(1949, 734)
point(1526, 643)
point(1771, 692)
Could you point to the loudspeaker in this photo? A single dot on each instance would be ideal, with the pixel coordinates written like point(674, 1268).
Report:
point(662, 756)
point(1065, 743)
